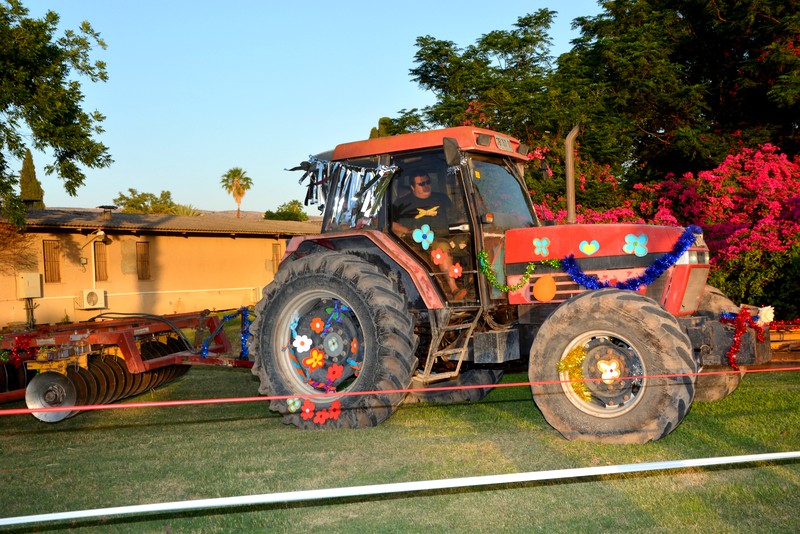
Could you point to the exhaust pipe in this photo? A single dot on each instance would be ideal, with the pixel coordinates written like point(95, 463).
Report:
point(569, 160)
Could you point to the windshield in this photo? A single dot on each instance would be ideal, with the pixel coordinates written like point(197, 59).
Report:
point(498, 192)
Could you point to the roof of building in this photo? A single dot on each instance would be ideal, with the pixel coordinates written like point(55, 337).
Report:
point(73, 219)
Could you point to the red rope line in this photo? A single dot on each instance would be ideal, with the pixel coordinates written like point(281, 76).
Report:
point(318, 396)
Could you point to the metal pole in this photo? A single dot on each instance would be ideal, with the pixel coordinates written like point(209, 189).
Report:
point(569, 161)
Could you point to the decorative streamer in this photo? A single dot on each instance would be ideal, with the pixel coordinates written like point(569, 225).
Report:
point(656, 269)
point(740, 322)
point(488, 272)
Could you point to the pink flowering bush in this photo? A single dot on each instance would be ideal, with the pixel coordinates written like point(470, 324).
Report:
point(748, 207)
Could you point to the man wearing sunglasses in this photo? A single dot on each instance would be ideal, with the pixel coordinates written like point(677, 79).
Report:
point(423, 206)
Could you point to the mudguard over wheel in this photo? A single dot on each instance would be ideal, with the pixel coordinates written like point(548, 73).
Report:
point(595, 365)
point(714, 387)
point(332, 323)
point(468, 377)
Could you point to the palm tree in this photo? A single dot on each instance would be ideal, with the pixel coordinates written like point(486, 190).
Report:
point(236, 183)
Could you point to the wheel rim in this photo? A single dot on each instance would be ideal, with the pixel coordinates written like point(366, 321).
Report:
point(602, 374)
point(320, 344)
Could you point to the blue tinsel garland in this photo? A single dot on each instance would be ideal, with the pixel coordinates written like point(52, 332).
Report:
point(571, 267)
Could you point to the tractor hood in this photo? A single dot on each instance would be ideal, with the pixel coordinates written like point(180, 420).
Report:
point(630, 245)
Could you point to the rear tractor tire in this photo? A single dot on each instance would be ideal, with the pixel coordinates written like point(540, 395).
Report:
point(596, 366)
point(331, 323)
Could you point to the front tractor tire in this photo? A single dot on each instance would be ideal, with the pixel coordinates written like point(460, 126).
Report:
point(597, 366)
point(331, 323)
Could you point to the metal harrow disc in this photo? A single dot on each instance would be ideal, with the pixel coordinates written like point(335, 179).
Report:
point(50, 390)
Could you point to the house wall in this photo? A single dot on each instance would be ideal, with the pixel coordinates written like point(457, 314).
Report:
point(187, 274)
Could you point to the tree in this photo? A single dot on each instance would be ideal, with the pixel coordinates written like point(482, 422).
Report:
point(677, 85)
point(236, 183)
point(31, 191)
point(136, 202)
point(408, 121)
point(290, 211)
point(40, 99)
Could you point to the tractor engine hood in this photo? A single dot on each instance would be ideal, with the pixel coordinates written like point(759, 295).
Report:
point(667, 263)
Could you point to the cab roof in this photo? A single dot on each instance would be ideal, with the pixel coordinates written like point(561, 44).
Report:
point(469, 139)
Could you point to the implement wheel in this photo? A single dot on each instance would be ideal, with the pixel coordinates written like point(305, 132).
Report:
point(594, 363)
point(328, 324)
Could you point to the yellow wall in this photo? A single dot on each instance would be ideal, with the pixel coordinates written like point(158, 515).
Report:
point(187, 274)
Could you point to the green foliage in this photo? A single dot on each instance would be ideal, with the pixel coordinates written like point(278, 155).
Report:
point(136, 202)
point(40, 99)
point(408, 121)
point(236, 183)
point(185, 210)
point(674, 86)
point(31, 191)
point(289, 211)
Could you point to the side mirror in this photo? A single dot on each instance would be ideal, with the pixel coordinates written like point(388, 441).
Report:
point(451, 153)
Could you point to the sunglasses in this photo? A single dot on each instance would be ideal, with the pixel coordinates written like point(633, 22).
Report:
point(423, 184)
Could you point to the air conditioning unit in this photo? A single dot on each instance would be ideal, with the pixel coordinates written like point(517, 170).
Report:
point(92, 299)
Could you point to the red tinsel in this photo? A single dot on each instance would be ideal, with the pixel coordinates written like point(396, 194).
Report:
point(740, 322)
point(793, 324)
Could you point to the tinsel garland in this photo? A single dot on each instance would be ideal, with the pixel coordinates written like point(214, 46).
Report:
point(572, 366)
point(656, 269)
point(488, 272)
point(740, 322)
point(245, 332)
point(792, 324)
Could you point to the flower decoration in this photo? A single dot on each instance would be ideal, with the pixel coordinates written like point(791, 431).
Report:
point(354, 345)
point(302, 344)
point(315, 360)
point(437, 255)
point(456, 271)
point(293, 404)
point(635, 245)
point(541, 246)
point(766, 315)
point(335, 410)
point(423, 236)
point(307, 411)
point(335, 372)
point(321, 416)
point(317, 325)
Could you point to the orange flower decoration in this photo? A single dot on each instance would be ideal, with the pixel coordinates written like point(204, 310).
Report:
point(321, 416)
point(307, 411)
point(317, 325)
point(437, 255)
point(335, 372)
point(354, 345)
point(456, 271)
point(334, 410)
point(315, 360)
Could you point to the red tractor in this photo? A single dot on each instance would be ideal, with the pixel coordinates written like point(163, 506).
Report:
point(433, 270)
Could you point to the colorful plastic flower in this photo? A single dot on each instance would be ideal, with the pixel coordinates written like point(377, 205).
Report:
point(317, 325)
point(334, 410)
point(302, 344)
point(354, 345)
point(437, 255)
point(315, 360)
point(423, 236)
point(456, 271)
point(321, 416)
point(335, 372)
point(307, 411)
point(293, 404)
point(541, 246)
point(635, 245)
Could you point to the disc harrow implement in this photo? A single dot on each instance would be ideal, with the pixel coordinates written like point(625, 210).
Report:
point(107, 359)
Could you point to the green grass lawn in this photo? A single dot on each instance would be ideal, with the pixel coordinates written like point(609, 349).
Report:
point(137, 456)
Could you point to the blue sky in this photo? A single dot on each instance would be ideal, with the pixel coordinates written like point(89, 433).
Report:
point(198, 87)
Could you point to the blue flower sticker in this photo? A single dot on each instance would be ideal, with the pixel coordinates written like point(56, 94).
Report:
point(635, 244)
point(423, 236)
point(541, 246)
point(293, 404)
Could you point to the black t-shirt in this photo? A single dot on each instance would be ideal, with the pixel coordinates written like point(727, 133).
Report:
point(412, 212)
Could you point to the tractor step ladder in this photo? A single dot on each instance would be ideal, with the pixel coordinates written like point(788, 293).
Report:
point(470, 317)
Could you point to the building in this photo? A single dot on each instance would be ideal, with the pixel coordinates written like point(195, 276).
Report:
point(94, 261)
